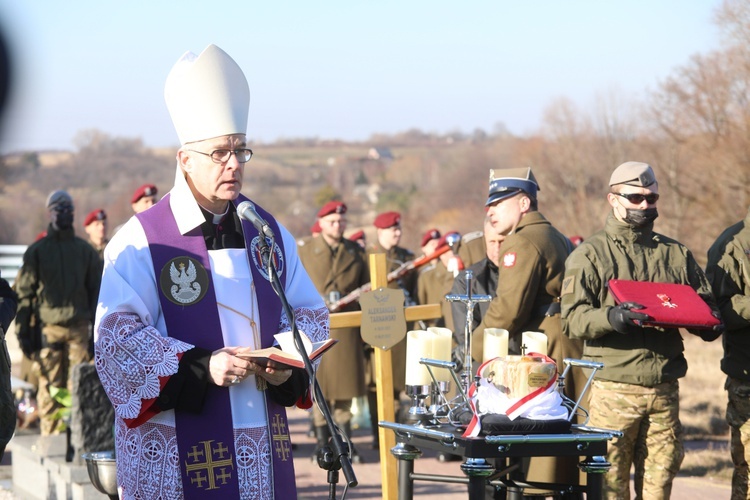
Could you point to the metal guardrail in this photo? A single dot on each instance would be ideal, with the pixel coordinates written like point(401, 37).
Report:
point(11, 260)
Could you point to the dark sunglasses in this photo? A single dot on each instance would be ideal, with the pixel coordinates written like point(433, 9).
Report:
point(637, 199)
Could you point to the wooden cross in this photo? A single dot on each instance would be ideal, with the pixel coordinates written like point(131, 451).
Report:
point(383, 371)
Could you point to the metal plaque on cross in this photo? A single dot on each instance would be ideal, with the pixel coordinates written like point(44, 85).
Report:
point(383, 321)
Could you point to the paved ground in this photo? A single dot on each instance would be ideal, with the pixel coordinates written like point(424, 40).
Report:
point(312, 481)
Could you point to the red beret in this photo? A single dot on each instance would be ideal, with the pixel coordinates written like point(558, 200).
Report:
point(448, 239)
point(428, 236)
point(332, 207)
point(315, 228)
point(145, 190)
point(387, 219)
point(97, 214)
point(359, 235)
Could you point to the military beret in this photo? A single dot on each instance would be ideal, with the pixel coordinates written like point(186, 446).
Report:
point(145, 190)
point(97, 214)
point(332, 207)
point(509, 181)
point(387, 219)
point(432, 234)
point(59, 198)
point(633, 173)
point(315, 228)
point(359, 235)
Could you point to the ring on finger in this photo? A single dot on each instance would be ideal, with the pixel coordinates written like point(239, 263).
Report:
point(235, 380)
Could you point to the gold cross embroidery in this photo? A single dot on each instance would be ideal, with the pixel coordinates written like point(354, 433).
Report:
point(206, 471)
point(281, 441)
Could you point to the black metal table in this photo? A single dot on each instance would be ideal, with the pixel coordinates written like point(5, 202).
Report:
point(478, 471)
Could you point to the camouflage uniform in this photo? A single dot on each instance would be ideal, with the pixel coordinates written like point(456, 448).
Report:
point(727, 268)
point(62, 272)
point(637, 392)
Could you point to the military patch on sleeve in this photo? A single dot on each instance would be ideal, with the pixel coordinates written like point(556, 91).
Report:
point(509, 259)
point(568, 285)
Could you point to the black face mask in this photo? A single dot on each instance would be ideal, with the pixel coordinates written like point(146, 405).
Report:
point(64, 217)
point(639, 218)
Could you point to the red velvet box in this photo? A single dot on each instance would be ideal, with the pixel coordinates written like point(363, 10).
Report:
point(668, 304)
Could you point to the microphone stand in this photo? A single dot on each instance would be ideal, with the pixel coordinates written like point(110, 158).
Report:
point(340, 458)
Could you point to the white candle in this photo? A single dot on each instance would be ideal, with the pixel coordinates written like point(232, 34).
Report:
point(495, 343)
point(534, 342)
point(418, 345)
point(442, 343)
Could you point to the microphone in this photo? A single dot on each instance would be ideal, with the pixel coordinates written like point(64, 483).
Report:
point(246, 210)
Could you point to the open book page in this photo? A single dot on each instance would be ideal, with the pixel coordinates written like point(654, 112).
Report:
point(285, 354)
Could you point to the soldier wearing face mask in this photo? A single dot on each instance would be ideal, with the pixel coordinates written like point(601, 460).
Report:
point(61, 273)
point(637, 391)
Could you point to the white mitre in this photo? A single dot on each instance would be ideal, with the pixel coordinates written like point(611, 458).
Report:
point(207, 96)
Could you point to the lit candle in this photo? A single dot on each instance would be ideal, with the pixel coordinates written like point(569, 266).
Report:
point(495, 343)
point(418, 345)
point(442, 343)
point(534, 342)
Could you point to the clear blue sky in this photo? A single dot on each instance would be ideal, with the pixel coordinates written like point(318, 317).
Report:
point(339, 69)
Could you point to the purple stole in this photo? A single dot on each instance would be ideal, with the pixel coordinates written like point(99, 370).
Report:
point(205, 441)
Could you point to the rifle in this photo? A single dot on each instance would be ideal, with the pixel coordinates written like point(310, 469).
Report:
point(392, 276)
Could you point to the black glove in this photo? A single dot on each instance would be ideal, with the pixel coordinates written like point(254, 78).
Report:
point(623, 320)
point(714, 333)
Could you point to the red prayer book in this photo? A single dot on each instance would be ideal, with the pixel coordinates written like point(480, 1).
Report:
point(668, 304)
point(285, 354)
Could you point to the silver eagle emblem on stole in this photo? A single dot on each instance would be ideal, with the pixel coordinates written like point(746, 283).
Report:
point(185, 289)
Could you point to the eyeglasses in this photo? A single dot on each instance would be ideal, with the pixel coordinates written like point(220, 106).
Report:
point(637, 199)
point(223, 155)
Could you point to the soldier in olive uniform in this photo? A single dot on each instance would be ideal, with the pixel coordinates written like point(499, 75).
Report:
point(471, 249)
point(95, 226)
point(530, 274)
point(337, 266)
point(436, 280)
point(61, 274)
point(637, 392)
point(484, 283)
point(726, 270)
point(429, 241)
point(388, 231)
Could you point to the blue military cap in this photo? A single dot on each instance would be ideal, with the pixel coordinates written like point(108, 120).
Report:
point(510, 181)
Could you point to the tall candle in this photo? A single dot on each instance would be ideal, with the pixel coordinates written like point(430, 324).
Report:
point(495, 343)
point(442, 343)
point(534, 342)
point(418, 345)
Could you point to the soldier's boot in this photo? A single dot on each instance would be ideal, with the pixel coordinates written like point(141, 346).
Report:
point(356, 459)
point(322, 435)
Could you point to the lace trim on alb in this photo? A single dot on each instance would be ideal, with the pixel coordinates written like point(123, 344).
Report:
point(130, 358)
